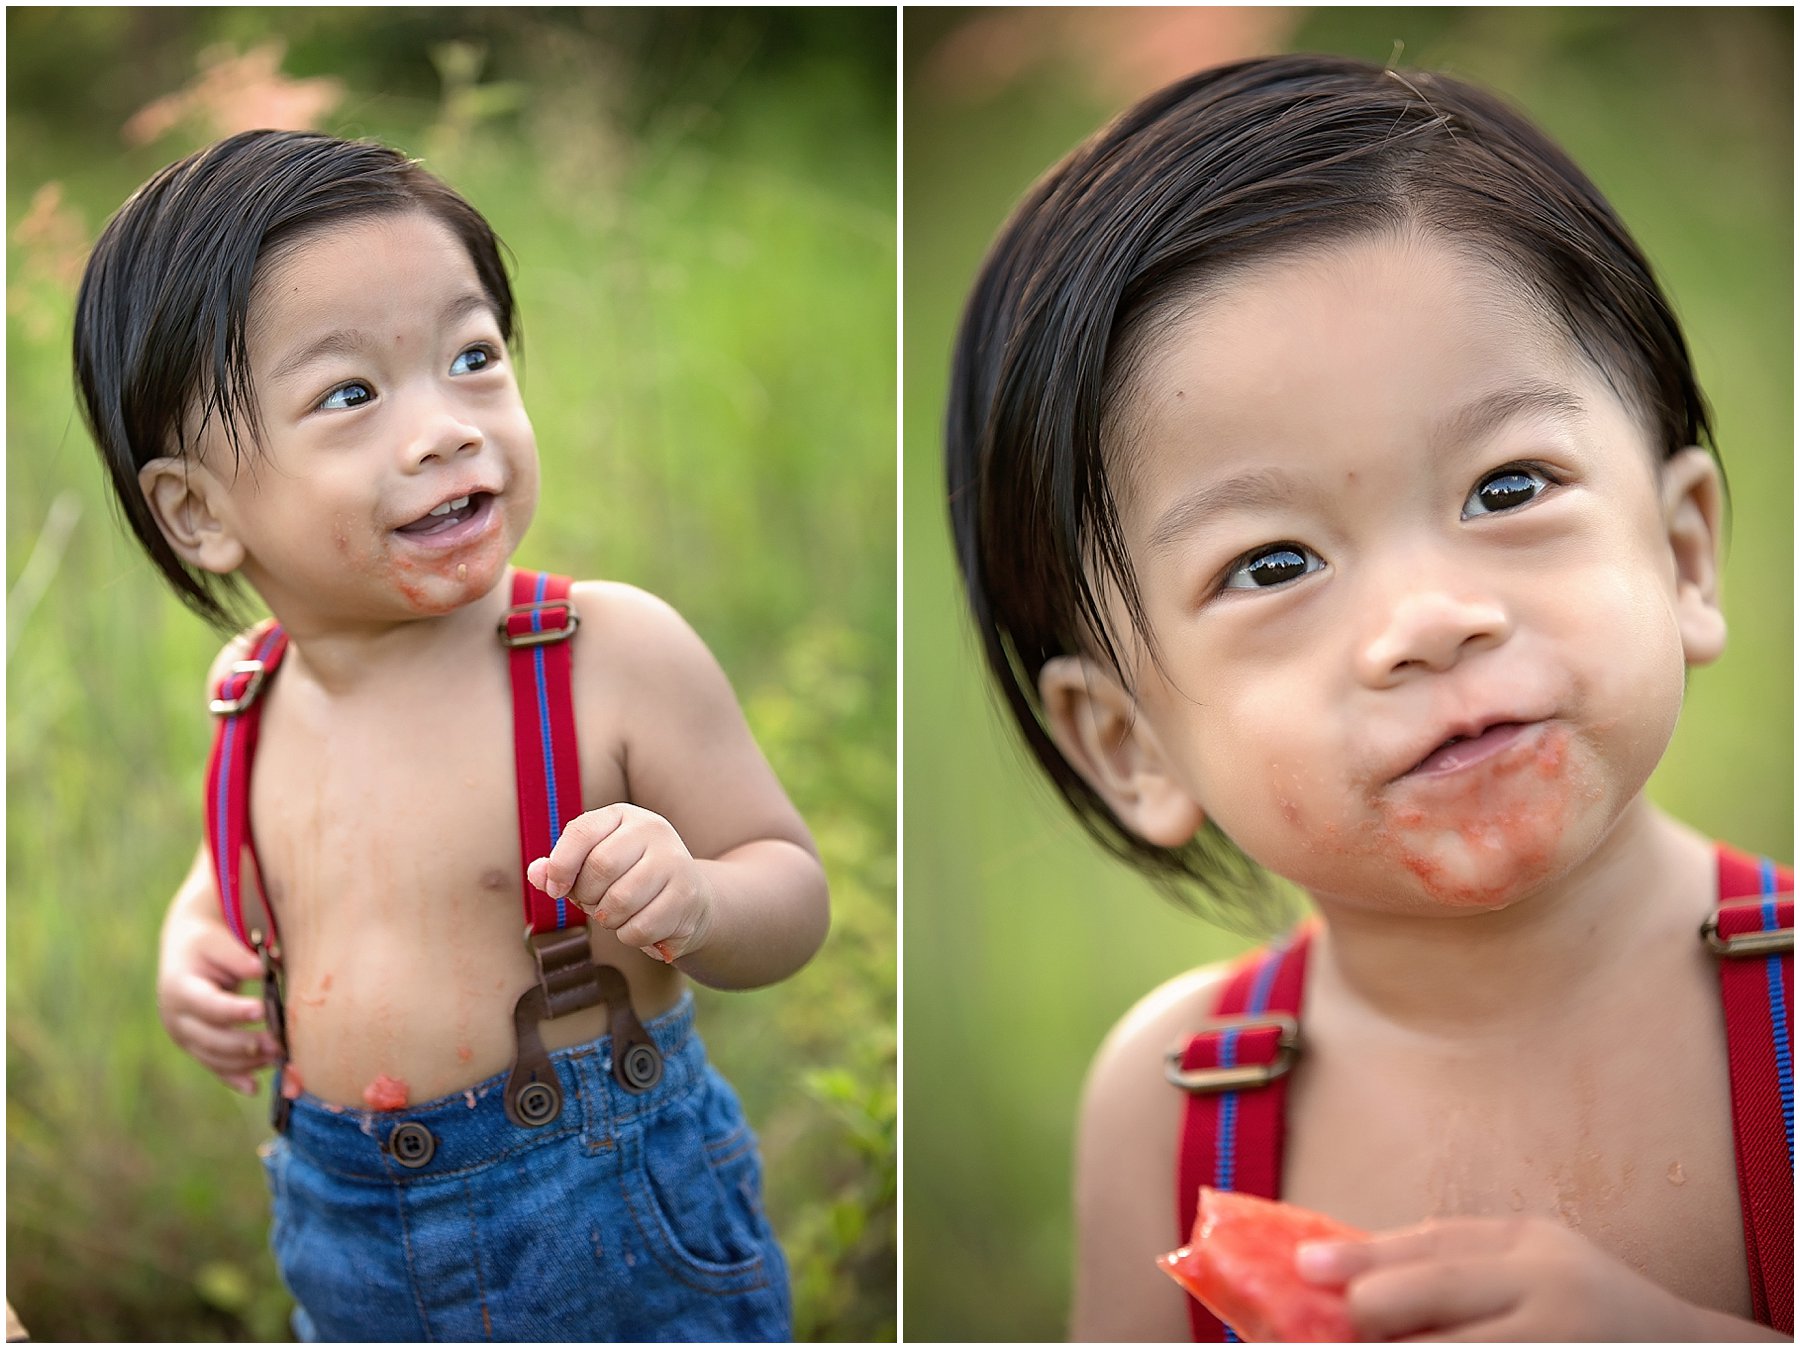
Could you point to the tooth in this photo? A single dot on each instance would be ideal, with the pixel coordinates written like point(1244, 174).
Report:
point(449, 506)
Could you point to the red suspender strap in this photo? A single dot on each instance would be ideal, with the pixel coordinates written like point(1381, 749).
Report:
point(536, 631)
point(1234, 1072)
point(1753, 935)
point(237, 706)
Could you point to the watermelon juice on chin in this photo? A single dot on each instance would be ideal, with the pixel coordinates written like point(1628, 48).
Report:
point(1239, 1262)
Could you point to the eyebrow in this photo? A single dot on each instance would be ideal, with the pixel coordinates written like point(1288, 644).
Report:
point(1262, 488)
point(1246, 491)
point(354, 342)
point(1491, 411)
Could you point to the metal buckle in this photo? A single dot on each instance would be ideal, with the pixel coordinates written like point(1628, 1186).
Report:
point(275, 1023)
point(1287, 1049)
point(230, 707)
point(571, 621)
point(1756, 943)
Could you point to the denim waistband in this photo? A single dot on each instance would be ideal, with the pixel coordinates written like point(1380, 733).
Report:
point(470, 1129)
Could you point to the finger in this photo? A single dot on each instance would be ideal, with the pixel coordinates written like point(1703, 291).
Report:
point(630, 894)
point(244, 1083)
point(656, 921)
point(1431, 1295)
point(206, 1001)
point(556, 874)
point(232, 1050)
point(232, 962)
point(1335, 1263)
point(619, 875)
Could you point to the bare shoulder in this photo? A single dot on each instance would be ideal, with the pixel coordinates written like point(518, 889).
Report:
point(633, 635)
point(1125, 1167)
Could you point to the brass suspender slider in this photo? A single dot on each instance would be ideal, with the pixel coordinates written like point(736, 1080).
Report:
point(230, 707)
point(570, 621)
point(1287, 1049)
point(1754, 943)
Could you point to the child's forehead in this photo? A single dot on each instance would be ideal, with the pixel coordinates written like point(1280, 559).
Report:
point(355, 270)
point(1373, 346)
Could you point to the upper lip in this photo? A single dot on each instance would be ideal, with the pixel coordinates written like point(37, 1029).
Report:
point(1460, 728)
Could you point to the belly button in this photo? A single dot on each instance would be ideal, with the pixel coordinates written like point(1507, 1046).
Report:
point(494, 879)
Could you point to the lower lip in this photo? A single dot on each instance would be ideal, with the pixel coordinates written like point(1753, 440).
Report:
point(1468, 753)
point(459, 533)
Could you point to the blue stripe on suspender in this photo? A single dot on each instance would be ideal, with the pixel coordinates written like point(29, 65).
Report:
point(233, 910)
point(543, 702)
point(1225, 1145)
point(1784, 1059)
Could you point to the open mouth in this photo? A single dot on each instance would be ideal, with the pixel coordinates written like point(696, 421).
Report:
point(447, 516)
point(1461, 751)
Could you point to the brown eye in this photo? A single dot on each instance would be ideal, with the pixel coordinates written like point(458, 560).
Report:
point(1505, 490)
point(1272, 566)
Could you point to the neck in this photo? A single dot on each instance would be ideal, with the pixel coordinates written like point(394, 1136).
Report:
point(1486, 976)
point(342, 655)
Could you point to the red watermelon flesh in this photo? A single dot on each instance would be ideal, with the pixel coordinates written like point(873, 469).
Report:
point(1240, 1263)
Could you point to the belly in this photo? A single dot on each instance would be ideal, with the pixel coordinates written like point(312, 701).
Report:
point(386, 1008)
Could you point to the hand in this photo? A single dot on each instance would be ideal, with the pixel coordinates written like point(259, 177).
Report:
point(1494, 1279)
point(629, 871)
point(197, 983)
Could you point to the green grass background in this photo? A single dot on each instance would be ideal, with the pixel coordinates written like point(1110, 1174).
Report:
point(1022, 944)
point(702, 207)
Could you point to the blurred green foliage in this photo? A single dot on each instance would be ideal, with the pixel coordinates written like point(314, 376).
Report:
point(701, 205)
point(1023, 944)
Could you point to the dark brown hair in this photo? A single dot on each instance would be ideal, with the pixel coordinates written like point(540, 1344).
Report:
point(161, 319)
point(1234, 164)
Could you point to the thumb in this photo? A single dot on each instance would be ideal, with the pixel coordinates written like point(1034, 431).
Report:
point(236, 960)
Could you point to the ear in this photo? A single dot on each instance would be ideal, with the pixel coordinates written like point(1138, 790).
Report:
point(1692, 510)
point(184, 498)
point(1096, 724)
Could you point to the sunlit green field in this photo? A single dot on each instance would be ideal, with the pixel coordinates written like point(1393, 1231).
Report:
point(1022, 944)
point(702, 212)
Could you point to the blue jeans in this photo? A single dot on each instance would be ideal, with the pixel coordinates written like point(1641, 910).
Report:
point(625, 1218)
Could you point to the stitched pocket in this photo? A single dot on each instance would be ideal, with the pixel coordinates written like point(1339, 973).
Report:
point(693, 1183)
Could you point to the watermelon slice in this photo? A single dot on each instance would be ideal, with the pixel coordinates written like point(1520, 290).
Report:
point(1240, 1263)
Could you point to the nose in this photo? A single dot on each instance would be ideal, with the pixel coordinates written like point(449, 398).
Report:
point(441, 431)
point(1427, 627)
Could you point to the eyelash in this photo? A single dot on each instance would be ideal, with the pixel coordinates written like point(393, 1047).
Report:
point(488, 354)
point(1543, 478)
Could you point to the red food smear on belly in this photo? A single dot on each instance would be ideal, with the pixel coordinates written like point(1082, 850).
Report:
point(291, 1085)
point(385, 1093)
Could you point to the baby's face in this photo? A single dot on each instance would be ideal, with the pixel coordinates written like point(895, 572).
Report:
point(397, 470)
point(1407, 562)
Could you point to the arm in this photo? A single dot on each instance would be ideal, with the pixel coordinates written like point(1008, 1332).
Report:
point(708, 864)
point(201, 966)
point(199, 971)
point(1125, 1172)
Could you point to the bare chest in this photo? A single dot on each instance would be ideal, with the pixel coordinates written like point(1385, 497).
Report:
point(1627, 1143)
point(388, 840)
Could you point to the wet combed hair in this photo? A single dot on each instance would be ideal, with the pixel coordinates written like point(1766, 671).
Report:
point(160, 324)
point(1229, 166)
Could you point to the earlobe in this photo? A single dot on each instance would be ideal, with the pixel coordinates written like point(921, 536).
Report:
point(181, 495)
point(1693, 507)
point(1096, 724)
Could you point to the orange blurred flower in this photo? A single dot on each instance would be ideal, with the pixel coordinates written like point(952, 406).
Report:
point(235, 93)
